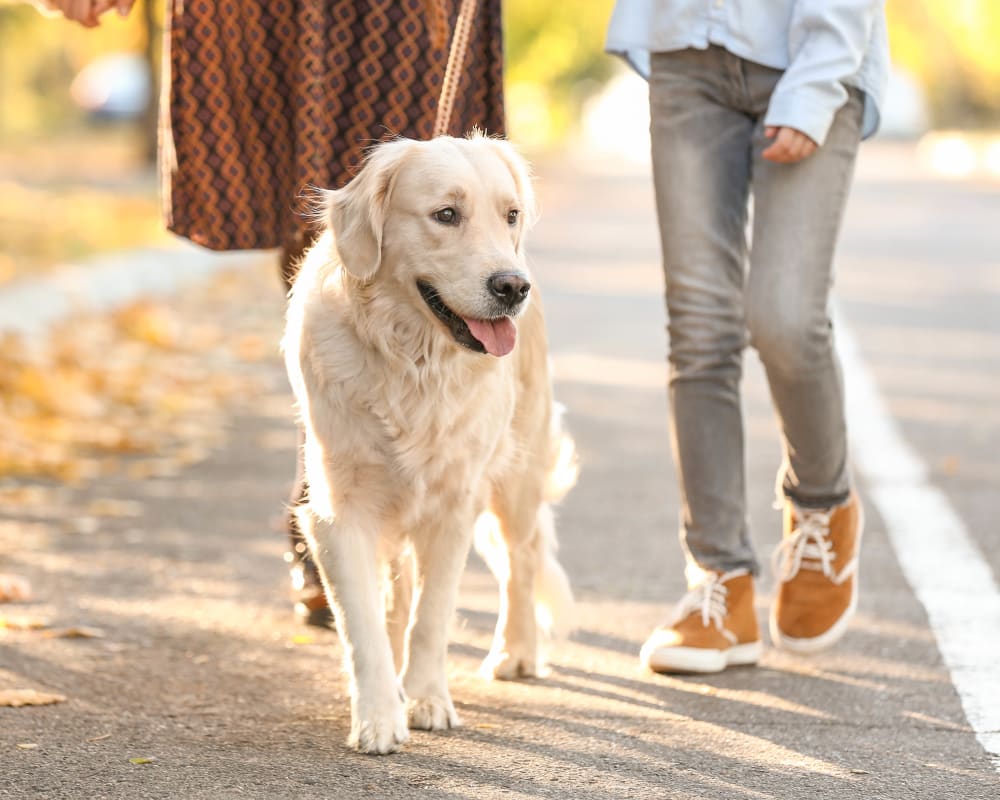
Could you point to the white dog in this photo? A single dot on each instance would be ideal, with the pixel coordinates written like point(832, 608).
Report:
point(416, 348)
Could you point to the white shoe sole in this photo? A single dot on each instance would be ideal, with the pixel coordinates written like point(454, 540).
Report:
point(699, 659)
point(836, 631)
point(816, 643)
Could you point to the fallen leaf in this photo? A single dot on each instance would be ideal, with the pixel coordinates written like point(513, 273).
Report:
point(27, 745)
point(253, 347)
point(14, 588)
point(187, 456)
point(486, 725)
point(15, 698)
point(76, 632)
point(153, 468)
point(149, 323)
point(141, 760)
point(84, 526)
point(303, 638)
point(6, 268)
point(860, 772)
point(100, 738)
point(26, 495)
point(22, 623)
point(108, 507)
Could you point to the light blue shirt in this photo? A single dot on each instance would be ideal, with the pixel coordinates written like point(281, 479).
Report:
point(822, 46)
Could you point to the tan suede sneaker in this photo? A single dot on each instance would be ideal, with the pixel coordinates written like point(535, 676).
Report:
point(713, 627)
point(817, 568)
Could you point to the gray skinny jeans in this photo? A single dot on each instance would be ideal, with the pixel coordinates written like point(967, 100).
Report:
point(707, 111)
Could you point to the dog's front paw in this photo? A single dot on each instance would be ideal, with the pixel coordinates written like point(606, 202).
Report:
point(379, 726)
point(509, 665)
point(433, 713)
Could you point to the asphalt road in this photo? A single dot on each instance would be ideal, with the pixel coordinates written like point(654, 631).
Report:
point(201, 669)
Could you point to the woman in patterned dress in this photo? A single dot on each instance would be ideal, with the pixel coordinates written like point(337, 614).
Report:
point(265, 98)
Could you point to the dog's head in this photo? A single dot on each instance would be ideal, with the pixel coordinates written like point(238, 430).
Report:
point(442, 222)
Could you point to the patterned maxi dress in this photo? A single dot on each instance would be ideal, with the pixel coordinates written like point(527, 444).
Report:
point(268, 97)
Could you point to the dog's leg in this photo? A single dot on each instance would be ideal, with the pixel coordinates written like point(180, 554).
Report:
point(346, 556)
point(398, 600)
point(514, 653)
point(440, 553)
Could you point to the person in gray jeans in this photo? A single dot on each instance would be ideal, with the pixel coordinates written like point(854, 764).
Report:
point(765, 99)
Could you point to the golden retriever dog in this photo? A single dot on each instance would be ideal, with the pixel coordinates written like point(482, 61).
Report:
point(416, 348)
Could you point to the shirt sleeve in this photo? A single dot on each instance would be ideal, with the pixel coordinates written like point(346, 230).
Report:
point(827, 42)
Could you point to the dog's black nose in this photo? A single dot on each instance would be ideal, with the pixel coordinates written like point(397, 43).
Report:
point(510, 288)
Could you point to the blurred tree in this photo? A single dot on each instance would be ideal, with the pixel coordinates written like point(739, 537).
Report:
point(953, 48)
point(39, 57)
point(152, 19)
point(555, 60)
point(554, 53)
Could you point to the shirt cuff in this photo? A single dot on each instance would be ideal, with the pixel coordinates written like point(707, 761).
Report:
point(809, 109)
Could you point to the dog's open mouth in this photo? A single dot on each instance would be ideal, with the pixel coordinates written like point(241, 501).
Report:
point(494, 336)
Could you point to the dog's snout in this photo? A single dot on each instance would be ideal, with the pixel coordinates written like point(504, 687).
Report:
point(510, 288)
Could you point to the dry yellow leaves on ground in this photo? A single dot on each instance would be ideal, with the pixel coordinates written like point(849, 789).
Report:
point(22, 623)
point(74, 632)
point(14, 589)
point(15, 698)
point(142, 382)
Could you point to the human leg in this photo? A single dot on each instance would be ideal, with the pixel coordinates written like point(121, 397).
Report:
point(797, 213)
point(798, 210)
point(701, 171)
point(310, 603)
point(701, 167)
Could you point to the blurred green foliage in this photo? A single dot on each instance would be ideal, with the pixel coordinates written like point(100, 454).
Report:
point(97, 181)
point(555, 58)
point(39, 57)
point(556, 46)
point(952, 47)
point(68, 188)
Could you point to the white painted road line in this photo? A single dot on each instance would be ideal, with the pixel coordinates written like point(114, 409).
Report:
point(942, 563)
point(28, 307)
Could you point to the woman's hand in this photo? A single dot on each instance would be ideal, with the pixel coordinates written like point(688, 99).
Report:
point(88, 12)
point(789, 145)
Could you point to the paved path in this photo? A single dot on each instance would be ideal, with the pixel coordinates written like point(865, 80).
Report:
point(201, 668)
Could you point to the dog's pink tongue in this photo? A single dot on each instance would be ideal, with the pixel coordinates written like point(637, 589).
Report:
point(497, 335)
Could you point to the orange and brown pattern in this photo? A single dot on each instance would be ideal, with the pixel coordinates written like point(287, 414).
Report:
point(268, 97)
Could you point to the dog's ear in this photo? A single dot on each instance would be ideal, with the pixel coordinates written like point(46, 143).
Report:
point(356, 213)
point(521, 172)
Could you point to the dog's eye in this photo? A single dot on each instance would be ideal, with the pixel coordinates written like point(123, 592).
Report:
point(446, 216)
point(512, 216)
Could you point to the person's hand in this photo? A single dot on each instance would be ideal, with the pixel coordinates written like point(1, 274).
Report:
point(88, 12)
point(789, 145)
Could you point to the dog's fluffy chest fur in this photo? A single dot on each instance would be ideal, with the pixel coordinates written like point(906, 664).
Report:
point(413, 420)
point(428, 429)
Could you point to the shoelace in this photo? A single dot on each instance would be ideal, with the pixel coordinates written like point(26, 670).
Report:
point(807, 547)
point(708, 599)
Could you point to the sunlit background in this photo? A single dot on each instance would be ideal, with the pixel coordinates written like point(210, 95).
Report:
point(145, 394)
point(77, 121)
point(78, 180)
